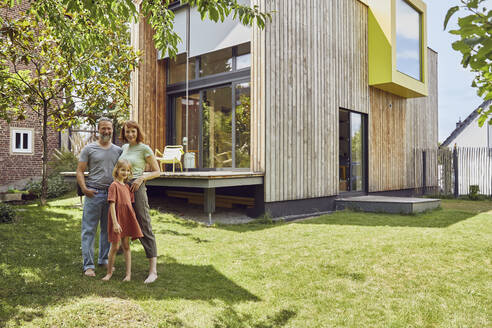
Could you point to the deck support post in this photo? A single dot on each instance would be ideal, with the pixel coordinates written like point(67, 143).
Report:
point(209, 202)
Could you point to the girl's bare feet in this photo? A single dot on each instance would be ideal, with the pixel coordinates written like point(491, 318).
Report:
point(127, 278)
point(151, 278)
point(107, 277)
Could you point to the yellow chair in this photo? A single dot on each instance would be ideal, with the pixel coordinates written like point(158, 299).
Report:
point(172, 155)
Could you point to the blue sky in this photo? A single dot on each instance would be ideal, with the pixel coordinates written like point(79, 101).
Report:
point(457, 99)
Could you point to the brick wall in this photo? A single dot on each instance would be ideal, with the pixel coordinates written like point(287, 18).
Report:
point(17, 169)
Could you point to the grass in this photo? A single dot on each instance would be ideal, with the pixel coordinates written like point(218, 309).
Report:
point(348, 269)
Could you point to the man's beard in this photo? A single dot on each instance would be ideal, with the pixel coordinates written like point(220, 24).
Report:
point(105, 137)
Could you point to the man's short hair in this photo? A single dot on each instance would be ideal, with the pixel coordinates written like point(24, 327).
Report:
point(104, 119)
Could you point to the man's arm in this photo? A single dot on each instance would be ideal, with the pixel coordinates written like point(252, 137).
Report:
point(81, 167)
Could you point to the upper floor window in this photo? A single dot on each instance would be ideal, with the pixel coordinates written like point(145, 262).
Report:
point(21, 140)
point(408, 40)
point(217, 62)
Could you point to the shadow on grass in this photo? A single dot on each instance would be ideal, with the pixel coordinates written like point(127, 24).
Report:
point(230, 318)
point(40, 265)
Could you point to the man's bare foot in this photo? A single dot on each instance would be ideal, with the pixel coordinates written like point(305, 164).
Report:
point(90, 273)
point(127, 278)
point(107, 277)
point(151, 278)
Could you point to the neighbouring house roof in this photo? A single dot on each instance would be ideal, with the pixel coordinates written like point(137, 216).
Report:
point(465, 123)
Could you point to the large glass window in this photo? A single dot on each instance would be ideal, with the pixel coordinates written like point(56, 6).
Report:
point(408, 40)
point(219, 107)
point(217, 127)
point(177, 69)
point(216, 62)
point(243, 119)
point(193, 121)
point(243, 59)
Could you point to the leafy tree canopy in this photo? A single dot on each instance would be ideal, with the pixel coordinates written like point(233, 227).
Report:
point(475, 45)
point(157, 13)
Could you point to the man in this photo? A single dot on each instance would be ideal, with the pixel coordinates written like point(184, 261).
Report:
point(99, 158)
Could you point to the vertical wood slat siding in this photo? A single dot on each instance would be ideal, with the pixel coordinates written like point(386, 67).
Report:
point(316, 62)
point(258, 101)
point(149, 89)
point(398, 135)
point(135, 42)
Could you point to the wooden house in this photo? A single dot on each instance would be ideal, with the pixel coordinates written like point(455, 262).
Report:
point(333, 97)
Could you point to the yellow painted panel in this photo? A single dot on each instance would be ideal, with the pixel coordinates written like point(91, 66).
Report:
point(380, 53)
point(382, 50)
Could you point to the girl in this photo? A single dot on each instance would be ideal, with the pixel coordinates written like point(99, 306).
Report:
point(122, 223)
point(139, 155)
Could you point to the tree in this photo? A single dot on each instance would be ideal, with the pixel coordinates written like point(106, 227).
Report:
point(38, 72)
point(67, 42)
point(156, 12)
point(475, 45)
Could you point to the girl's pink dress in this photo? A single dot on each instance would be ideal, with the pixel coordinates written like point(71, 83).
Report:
point(121, 195)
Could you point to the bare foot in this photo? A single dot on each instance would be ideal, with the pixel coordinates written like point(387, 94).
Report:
point(151, 278)
point(107, 277)
point(90, 273)
point(127, 278)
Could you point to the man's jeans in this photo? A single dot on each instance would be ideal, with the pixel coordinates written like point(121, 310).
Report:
point(95, 211)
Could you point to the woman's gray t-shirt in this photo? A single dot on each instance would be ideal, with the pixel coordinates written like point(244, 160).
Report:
point(100, 163)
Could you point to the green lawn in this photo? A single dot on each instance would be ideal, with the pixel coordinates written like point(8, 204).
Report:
point(347, 269)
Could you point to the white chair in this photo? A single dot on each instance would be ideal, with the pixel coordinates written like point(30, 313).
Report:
point(172, 155)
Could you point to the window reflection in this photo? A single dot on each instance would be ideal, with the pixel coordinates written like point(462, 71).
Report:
point(217, 127)
point(216, 62)
point(177, 69)
point(193, 120)
point(243, 118)
point(408, 33)
point(243, 59)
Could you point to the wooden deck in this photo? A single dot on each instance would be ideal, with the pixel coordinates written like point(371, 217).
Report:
point(208, 180)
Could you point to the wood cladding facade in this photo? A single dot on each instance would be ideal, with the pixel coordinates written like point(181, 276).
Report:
point(399, 130)
point(306, 65)
point(148, 88)
point(316, 61)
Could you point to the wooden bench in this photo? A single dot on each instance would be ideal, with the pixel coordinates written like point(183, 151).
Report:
point(220, 200)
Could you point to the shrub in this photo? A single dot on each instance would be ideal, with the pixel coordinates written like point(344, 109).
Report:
point(56, 187)
point(473, 192)
point(63, 161)
point(7, 213)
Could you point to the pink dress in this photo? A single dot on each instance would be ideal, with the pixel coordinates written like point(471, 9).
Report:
point(121, 195)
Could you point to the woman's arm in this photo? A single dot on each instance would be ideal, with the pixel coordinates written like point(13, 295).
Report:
point(147, 175)
point(116, 225)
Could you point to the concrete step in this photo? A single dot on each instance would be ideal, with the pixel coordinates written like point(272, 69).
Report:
point(383, 204)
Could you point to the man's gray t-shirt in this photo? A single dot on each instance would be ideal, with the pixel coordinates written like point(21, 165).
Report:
point(100, 163)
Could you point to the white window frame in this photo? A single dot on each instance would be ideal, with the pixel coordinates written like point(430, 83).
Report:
point(22, 131)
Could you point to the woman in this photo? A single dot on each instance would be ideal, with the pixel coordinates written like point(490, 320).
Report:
point(139, 154)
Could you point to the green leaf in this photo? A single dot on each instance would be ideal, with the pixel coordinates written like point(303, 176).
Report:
point(449, 14)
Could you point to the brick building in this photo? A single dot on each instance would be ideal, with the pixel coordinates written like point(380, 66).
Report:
point(21, 146)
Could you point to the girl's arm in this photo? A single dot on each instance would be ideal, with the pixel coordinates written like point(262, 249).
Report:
point(116, 225)
point(147, 175)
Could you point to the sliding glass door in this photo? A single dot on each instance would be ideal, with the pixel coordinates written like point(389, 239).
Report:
point(218, 125)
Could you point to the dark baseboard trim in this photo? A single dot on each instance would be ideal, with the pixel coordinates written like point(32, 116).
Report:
point(301, 207)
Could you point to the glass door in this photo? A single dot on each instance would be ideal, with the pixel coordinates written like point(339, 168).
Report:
point(218, 125)
point(352, 151)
